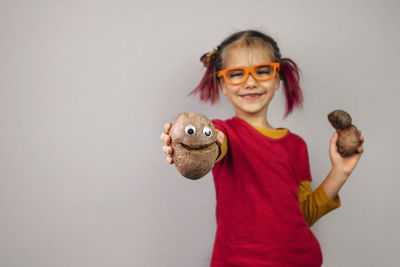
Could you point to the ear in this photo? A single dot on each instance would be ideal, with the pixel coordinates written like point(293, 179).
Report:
point(222, 84)
point(277, 82)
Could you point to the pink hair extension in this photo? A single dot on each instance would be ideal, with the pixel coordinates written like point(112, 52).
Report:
point(290, 75)
point(208, 87)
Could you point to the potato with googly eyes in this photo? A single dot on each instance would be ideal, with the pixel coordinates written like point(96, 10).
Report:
point(193, 140)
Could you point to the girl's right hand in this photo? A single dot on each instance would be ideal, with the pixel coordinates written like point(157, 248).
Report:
point(167, 140)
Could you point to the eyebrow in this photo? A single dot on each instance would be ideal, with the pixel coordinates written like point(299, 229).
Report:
point(238, 67)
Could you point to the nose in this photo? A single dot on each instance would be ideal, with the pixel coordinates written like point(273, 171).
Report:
point(250, 82)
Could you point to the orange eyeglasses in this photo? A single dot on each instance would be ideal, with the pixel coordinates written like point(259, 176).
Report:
point(239, 75)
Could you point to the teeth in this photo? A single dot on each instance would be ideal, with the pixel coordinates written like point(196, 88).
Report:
point(254, 95)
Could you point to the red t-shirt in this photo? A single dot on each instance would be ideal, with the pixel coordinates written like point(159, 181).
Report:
point(259, 221)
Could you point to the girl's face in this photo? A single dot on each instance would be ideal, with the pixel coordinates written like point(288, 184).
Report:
point(252, 97)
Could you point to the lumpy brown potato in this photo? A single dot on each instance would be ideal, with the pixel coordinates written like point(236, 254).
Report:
point(193, 140)
point(348, 141)
point(349, 137)
point(339, 119)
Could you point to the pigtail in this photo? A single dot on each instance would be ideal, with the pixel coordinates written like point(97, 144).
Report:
point(208, 86)
point(290, 75)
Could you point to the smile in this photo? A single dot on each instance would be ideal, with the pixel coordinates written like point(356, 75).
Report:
point(198, 148)
point(252, 96)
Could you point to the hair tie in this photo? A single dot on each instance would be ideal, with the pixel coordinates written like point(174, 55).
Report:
point(207, 57)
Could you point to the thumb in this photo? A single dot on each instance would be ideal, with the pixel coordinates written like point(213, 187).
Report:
point(220, 138)
point(333, 146)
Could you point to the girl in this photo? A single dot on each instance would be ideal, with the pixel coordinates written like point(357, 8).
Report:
point(265, 204)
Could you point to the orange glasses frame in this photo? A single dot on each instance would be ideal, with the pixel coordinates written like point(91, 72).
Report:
point(222, 73)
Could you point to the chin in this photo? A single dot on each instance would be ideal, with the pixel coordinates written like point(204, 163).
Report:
point(252, 111)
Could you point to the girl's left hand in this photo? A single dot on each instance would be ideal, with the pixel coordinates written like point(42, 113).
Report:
point(344, 165)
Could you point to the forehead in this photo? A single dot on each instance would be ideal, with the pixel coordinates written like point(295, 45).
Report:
point(243, 54)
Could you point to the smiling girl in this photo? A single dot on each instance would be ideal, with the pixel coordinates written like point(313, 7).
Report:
point(265, 204)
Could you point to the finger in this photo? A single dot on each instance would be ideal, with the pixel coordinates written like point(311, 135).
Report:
point(165, 138)
point(355, 157)
point(167, 150)
point(220, 138)
point(170, 160)
point(362, 140)
point(360, 149)
point(333, 150)
point(167, 127)
point(334, 140)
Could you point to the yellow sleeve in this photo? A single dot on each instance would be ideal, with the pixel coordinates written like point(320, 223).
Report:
point(315, 204)
point(223, 149)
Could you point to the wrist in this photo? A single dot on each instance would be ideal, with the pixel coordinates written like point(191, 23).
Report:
point(334, 182)
point(338, 175)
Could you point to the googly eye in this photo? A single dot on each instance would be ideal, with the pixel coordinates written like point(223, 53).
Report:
point(190, 130)
point(207, 132)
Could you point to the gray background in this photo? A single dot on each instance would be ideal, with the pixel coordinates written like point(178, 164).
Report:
point(86, 86)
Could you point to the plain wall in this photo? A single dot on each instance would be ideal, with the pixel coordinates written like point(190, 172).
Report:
point(86, 86)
